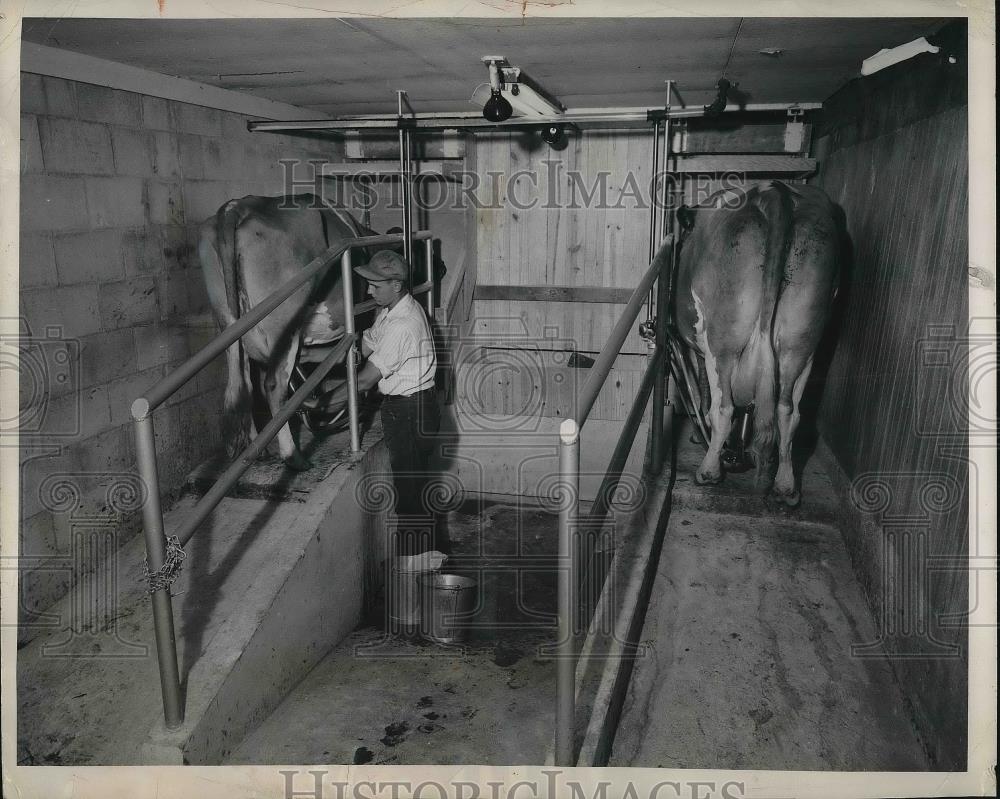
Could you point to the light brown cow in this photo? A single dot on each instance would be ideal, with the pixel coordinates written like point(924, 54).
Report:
point(247, 250)
point(754, 289)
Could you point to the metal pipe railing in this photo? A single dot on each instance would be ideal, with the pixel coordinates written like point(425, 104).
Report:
point(429, 275)
point(158, 549)
point(352, 353)
point(656, 448)
point(569, 469)
point(245, 460)
point(598, 373)
point(156, 556)
point(569, 483)
point(155, 396)
point(473, 120)
point(653, 227)
point(621, 452)
point(609, 483)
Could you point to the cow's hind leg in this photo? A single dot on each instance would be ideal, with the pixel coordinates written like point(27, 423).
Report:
point(720, 417)
point(237, 405)
point(788, 422)
point(276, 378)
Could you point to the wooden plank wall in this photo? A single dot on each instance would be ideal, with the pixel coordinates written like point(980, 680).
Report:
point(561, 239)
point(893, 154)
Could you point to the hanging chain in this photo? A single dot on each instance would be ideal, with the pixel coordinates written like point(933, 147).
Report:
point(167, 573)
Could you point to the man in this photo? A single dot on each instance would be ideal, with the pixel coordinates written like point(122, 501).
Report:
point(400, 359)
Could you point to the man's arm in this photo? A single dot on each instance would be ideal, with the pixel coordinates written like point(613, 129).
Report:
point(366, 349)
point(368, 378)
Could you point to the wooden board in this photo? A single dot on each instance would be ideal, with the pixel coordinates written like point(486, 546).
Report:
point(698, 136)
point(386, 146)
point(553, 294)
point(743, 164)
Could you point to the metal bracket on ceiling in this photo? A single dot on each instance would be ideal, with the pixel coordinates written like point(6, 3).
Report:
point(795, 131)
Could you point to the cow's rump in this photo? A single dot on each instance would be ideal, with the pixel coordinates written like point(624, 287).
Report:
point(249, 249)
point(754, 289)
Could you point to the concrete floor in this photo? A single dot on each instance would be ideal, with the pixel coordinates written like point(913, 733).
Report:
point(749, 633)
point(89, 697)
point(748, 664)
point(381, 699)
point(88, 690)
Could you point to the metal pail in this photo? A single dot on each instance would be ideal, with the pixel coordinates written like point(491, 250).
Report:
point(404, 595)
point(449, 600)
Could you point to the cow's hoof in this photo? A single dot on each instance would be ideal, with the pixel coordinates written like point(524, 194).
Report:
point(707, 478)
point(297, 462)
point(789, 498)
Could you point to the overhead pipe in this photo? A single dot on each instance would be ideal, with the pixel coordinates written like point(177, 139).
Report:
point(441, 121)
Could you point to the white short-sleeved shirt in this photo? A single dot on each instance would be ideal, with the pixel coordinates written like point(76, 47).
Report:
point(402, 348)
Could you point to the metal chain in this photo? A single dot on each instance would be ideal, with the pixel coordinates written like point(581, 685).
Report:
point(167, 573)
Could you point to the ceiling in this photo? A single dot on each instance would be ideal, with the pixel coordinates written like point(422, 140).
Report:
point(353, 66)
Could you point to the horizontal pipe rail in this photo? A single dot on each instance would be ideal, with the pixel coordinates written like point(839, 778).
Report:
point(625, 440)
point(602, 366)
point(159, 392)
point(245, 460)
point(369, 305)
point(475, 120)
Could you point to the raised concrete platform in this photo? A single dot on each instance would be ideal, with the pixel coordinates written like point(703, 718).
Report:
point(267, 588)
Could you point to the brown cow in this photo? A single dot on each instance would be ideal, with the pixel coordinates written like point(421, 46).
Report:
point(247, 250)
point(754, 289)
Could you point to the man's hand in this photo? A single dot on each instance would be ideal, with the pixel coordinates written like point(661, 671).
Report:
point(368, 378)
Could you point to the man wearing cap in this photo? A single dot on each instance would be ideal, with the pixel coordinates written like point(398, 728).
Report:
point(399, 349)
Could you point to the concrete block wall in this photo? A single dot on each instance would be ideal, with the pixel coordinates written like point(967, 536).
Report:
point(113, 187)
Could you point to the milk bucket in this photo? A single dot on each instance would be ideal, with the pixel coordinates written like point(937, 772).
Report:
point(449, 600)
point(404, 589)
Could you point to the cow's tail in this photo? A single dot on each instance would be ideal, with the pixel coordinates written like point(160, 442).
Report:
point(776, 207)
point(237, 403)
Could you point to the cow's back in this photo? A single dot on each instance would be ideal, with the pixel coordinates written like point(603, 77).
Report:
point(255, 244)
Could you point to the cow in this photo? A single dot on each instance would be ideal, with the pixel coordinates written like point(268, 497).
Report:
point(755, 285)
point(249, 248)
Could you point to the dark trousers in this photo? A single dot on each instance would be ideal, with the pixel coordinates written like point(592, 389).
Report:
point(410, 426)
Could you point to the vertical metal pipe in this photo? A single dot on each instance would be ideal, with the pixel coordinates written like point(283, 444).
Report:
point(663, 287)
point(659, 387)
point(429, 257)
point(152, 518)
point(347, 279)
point(404, 176)
point(667, 225)
point(653, 211)
point(408, 199)
point(569, 479)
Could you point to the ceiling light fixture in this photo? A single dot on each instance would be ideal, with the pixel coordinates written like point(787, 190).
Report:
point(551, 134)
point(512, 93)
point(497, 108)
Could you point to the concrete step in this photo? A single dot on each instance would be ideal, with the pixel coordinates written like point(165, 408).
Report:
point(266, 590)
